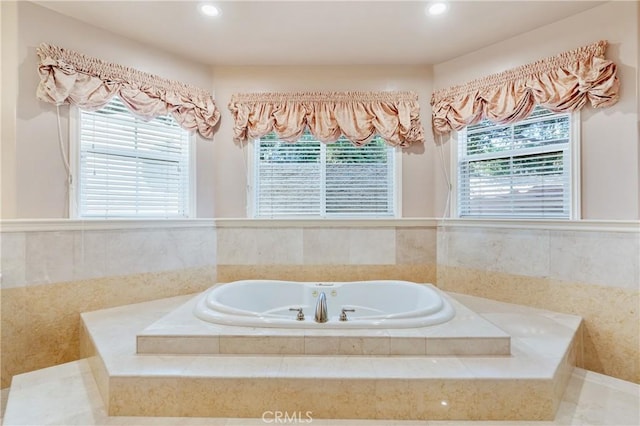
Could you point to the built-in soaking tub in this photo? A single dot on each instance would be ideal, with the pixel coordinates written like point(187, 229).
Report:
point(375, 304)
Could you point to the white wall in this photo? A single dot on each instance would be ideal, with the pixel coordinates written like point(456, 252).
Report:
point(33, 177)
point(34, 183)
point(609, 136)
point(8, 79)
point(230, 176)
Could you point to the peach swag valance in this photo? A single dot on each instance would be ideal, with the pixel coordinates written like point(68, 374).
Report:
point(395, 116)
point(564, 82)
point(70, 77)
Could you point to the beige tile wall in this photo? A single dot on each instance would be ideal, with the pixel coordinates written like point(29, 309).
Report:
point(47, 257)
point(50, 277)
point(327, 253)
point(589, 272)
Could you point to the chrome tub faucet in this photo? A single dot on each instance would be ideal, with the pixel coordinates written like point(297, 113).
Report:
point(299, 315)
point(321, 308)
point(343, 314)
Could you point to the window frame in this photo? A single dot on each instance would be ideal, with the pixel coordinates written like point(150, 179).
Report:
point(74, 167)
point(575, 208)
point(251, 199)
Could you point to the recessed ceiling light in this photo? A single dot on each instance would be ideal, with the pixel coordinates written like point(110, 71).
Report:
point(437, 8)
point(209, 9)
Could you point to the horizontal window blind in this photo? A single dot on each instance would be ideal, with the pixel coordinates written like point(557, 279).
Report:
point(309, 178)
point(130, 167)
point(517, 170)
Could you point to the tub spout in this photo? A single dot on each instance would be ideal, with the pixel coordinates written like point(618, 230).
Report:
point(321, 308)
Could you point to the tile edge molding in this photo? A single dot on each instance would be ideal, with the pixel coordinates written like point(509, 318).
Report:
point(630, 226)
point(327, 223)
point(44, 225)
point(51, 225)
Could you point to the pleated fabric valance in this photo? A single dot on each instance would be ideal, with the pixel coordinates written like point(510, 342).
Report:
point(564, 82)
point(359, 116)
point(70, 77)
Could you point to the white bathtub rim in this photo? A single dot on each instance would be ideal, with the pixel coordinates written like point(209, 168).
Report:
point(222, 314)
point(221, 307)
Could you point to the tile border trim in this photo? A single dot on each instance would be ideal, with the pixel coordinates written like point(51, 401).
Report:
point(51, 225)
point(630, 226)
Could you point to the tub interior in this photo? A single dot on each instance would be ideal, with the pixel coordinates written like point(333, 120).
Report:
point(384, 299)
point(274, 302)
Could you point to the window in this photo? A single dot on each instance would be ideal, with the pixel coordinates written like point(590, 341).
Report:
point(128, 167)
point(310, 178)
point(522, 170)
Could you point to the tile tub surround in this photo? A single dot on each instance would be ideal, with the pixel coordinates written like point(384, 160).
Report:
point(181, 332)
point(331, 250)
point(326, 242)
point(591, 272)
point(414, 273)
point(54, 270)
point(48, 252)
point(526, 385)
point(40, 323)
point(86, 265)
point(603, 252)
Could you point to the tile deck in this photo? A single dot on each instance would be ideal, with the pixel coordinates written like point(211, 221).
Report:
point(180, 332)
point(525, 385)
point(74, 393)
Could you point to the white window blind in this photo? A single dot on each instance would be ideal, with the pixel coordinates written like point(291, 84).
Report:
point(129, 167)
point(518, 170)
point(309, 178)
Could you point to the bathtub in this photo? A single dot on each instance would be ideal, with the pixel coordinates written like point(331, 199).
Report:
point(377, 304)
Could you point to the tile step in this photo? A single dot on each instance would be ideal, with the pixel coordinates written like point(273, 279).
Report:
point(525, 385)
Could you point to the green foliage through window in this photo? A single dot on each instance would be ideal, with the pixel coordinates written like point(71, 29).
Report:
point(517, 170)
point(309, 178)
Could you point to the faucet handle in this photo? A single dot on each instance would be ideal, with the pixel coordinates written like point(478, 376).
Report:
point(300, 315)
point(343, 314)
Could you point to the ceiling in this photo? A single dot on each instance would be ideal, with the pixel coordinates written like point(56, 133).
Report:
point(264, 32)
